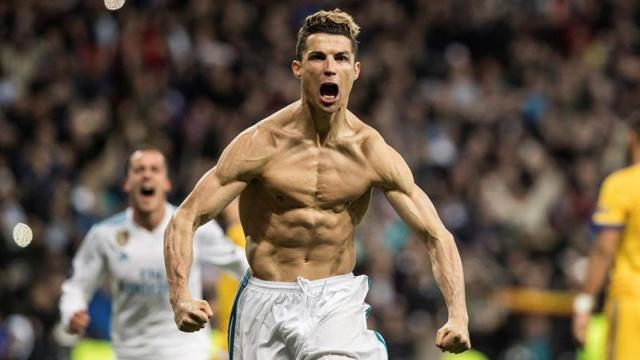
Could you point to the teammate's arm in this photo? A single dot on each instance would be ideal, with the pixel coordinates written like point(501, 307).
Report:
point(417, 210)
point(89, 272)
point(215, 190)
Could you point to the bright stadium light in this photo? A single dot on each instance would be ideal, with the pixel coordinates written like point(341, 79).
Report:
point(113, 4)
point(22, 234)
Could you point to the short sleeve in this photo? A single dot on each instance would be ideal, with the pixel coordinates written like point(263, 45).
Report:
point(611, 210)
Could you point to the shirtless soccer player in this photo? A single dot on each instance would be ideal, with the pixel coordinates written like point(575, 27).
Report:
point(304, 176)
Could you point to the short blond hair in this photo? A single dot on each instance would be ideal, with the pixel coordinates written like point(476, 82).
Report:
point(330, 22)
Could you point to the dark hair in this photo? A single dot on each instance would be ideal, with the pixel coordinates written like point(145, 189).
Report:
point(330, 22)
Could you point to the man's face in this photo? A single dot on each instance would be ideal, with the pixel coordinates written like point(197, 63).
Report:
point(327, 71)
point(147, 181)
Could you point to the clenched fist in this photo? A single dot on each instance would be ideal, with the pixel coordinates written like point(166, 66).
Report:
point(453, 337)
point(79, 322)
point(580, 324)
point(192, 315)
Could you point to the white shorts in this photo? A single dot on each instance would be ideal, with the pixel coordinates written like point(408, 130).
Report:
point(303, 320)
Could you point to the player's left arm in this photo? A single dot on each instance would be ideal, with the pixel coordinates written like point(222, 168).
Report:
point(609, 218)
point(600, 260)
point(417, 210)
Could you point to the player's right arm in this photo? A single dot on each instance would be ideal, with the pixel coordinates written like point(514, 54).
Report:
point(239, 163)
point(609, 218)
point(89, 271)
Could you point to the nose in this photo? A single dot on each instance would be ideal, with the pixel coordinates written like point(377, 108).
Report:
point(329, 66)
point(146, 174)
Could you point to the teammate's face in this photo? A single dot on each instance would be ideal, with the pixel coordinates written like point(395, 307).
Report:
point(327, 71)
point(147, 181)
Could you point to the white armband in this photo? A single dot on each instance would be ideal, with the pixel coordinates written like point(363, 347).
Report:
point(583, 303)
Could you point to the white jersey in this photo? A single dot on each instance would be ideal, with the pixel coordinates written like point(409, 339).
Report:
point(142, 324)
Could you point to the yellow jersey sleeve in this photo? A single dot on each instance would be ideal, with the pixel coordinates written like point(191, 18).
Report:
point(236, 234)
point(611, 210)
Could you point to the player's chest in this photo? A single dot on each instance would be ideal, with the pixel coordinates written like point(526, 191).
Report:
point(136, 256)
point(326, 175)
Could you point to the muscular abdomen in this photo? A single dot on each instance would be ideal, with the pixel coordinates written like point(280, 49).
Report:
point(286, 239)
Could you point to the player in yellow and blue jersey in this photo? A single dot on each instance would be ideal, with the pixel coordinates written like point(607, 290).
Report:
point(617, 218)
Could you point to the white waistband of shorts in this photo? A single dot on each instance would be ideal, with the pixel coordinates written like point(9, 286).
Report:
point(294, 286)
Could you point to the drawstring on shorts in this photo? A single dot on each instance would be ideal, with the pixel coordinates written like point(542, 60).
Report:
point(304, 283)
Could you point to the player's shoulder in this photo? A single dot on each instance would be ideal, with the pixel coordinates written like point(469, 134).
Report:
point(372, 141)
point(265, 133)
point(111, 224)
point(284, 124)
point(388, 166)
point(625, 177)
point(250, 150)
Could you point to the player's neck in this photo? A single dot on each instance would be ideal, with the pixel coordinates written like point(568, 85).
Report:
point(321, 124)
point(149, 220)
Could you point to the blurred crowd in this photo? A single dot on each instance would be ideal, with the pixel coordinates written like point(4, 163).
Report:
point(510, 113)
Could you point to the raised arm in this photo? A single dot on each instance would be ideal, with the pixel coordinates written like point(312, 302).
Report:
point(415, 208)
point(237, 166)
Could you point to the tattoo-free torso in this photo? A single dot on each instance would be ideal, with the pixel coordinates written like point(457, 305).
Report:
point(300, 211)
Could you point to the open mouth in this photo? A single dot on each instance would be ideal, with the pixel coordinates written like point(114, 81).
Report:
point(147, 190)
point(329, 93)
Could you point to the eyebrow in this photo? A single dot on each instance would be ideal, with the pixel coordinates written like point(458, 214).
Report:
point(318, 52)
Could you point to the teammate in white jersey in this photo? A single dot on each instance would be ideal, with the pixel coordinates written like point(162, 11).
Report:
point(128, 248)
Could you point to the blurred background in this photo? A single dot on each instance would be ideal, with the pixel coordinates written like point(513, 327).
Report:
point(509, 112)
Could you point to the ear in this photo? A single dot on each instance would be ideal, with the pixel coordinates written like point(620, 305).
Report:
point(167, 186)
point(633, 139)
point(296, 68)
point(356, 67)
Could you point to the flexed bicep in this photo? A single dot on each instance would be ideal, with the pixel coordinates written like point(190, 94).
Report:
point(211, 195)
point(395, 179)
point(239, 164)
